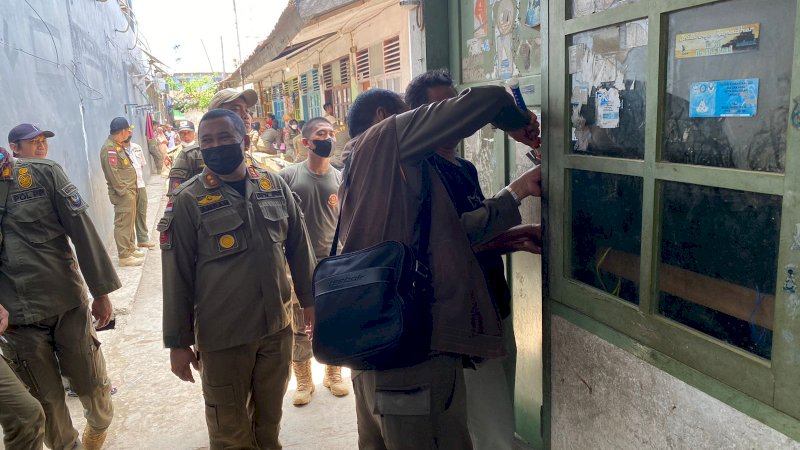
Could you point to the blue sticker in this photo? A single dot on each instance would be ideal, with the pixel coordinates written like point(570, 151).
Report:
point(724, 98)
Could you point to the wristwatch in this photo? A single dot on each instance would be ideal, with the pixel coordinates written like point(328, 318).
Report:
point(513, 195)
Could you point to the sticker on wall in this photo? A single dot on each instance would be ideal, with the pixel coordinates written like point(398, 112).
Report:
point(724, 98)
point(796, 113)
point(504, 61)
point(721, 41)
point(533, 17)
point(608, 104)
point(524, 55)
point(796, 238)
point(582, 7)
point(580, 94)
point(604, 69)
point(474, 47)
point(577, 53)
point(635, 34)
point(480, 19)
point(790, 285)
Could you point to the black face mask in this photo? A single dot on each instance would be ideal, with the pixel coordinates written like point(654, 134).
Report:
point(223, 159)
point(322, 148)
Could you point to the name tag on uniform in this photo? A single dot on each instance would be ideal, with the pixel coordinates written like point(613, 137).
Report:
point(215, 206)
point(28, 195)
point(268, 195)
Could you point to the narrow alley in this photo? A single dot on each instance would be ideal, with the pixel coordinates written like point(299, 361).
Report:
point(154, 410)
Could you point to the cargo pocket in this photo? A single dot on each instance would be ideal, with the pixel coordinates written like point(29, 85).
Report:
point(220, 408)
point(403, 401)
point(226, 235)
point(277, 217)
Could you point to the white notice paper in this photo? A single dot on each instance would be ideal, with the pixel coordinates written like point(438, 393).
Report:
point(607, 101)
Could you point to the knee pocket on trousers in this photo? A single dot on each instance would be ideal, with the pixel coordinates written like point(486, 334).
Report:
point(220, 404)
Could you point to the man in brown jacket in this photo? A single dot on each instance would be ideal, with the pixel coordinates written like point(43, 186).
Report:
point(424, 405)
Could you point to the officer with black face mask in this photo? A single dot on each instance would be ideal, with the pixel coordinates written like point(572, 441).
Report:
point(316, 182)
point(225, 238)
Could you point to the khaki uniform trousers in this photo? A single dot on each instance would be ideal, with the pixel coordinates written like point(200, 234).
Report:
point(124, 222)
point(71, 338)
point(142, 235)
point(301, 349)
point(243, 388)
point(422, 407)
point(21, 415)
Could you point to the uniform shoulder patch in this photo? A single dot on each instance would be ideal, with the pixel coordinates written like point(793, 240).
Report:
point(164, 228)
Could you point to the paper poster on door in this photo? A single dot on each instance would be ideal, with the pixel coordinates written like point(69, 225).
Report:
point(724, 98)
point(721, 41)
point(607, 103)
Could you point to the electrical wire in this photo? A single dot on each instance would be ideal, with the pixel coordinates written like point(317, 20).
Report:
point(55, 47)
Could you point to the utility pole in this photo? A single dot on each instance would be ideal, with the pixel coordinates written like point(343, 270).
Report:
point(222, 49)
point(238, 43)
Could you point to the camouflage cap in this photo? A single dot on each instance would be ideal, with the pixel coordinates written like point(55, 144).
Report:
point(228, 95)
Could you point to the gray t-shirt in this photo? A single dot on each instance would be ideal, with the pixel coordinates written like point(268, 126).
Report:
point(318, 201)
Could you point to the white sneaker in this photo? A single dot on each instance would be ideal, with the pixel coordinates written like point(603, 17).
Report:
point(130, 261)
point(138, 254)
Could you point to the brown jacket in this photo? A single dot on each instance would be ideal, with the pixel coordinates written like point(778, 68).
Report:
point(381, 198)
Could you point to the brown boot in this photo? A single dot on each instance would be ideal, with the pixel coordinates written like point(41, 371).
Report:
point(305, 385)
point(333, 381)
point(93, 439)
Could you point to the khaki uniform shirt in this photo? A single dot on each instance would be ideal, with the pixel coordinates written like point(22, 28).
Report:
point(118, 169)
point(39, 276)
point(300, 150)
point(187, 163)
point(224, 261)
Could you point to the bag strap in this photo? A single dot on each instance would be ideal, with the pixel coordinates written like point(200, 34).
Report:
point(423, 220)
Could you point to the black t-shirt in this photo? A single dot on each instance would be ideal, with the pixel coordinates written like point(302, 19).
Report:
point(238, 185)
point(464, 188)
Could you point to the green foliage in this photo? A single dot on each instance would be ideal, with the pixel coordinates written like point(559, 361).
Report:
point(191, 94)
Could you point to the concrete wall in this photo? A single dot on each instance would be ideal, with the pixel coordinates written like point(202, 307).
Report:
point(603, 397)
point(66, 69)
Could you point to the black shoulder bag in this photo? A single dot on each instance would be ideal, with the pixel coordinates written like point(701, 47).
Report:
point(373, 306)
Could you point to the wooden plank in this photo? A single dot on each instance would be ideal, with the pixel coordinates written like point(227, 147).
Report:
point(728, 298)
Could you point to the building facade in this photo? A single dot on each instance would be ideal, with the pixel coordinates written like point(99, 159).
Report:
point(332, 57)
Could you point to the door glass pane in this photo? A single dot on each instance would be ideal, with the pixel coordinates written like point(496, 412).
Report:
point(606, 232)
point(500, 39)
point(719, 253)
point(578, 8)
point(729, 70)
point(608, 69)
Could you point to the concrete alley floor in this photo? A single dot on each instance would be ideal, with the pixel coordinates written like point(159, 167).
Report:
point(153, 409)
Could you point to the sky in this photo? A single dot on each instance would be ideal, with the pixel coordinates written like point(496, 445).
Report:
point(166, 24)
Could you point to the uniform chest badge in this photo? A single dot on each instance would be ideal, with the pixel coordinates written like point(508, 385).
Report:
point(227, 242)
point(124, 162)
point(333, 200)
point(6, 174)
point(24, 178)
point(265, 184)
point(209, 199)
point(253, 172)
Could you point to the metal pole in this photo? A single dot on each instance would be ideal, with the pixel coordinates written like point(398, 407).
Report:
point(238, 42)
point(207, 57)
point(222, 48)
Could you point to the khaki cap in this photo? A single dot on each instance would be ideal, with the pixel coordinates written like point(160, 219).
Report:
point(230, 94)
